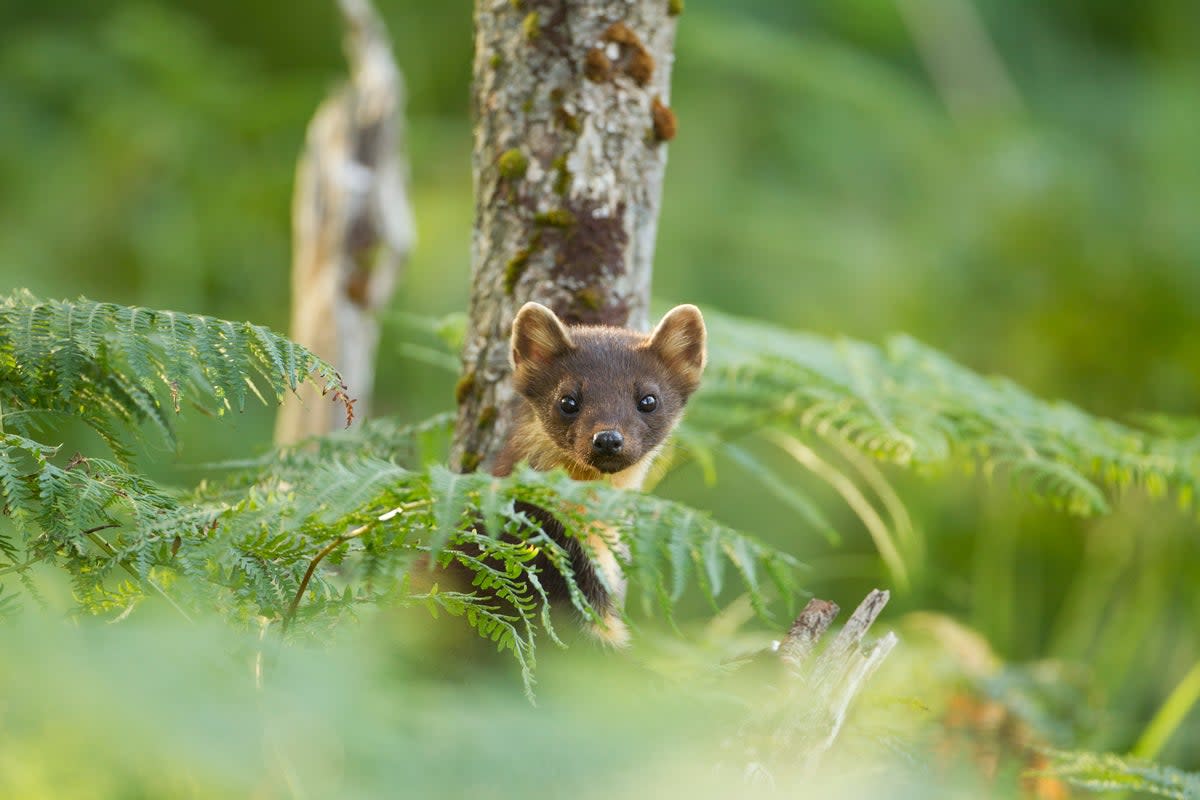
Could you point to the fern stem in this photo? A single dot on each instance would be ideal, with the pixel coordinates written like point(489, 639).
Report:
point(312, 567)
point(902, 524)
point(853, 497)
point(1181, 701)
point(335, 544)
point(19, 567)
point(94, 535)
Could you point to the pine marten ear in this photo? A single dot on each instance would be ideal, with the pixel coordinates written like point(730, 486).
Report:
point(679, 340)
point(538, 336)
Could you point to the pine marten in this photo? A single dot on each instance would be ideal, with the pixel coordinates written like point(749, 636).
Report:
point(599, 402)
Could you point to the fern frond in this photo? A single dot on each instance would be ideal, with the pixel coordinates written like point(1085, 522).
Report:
point(910, 405)
point(103, 362)
point(410, 446)
point(10, 606)
point(670, 543)
point(271, 531)
point(488, 620)
point(61, 509)
point(1110, 773)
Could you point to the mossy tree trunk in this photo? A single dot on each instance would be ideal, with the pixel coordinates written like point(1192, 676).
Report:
point(572, 114)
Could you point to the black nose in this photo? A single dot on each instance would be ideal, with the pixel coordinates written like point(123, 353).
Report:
point(608, 442)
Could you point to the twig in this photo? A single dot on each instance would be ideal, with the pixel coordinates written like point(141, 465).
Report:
point(832, 662)
point(840, 674)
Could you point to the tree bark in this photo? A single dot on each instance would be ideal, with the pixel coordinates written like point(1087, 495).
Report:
point(571, 99)
point(352, 225)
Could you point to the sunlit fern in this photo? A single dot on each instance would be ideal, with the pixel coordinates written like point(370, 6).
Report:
point(276, 516)
point(114, 367)
point(908, 404)
point(258, 544)
point(1111, 773)
point(839, 407)
point(110, 365)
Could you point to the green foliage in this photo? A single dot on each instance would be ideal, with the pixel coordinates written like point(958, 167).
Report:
point(821, 162)
point(277, 517)
point(64, 510)
point(1111, 773)
point(111, 365)
point(259, 544)
point(307, 534)
point(910, 405)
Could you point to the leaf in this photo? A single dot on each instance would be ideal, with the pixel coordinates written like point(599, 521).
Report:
point(1109, 773)
point(450, 496)
point(909, 404)
point(109, 364)
point(714, 566)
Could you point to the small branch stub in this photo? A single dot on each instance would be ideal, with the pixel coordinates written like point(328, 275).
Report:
point(806, 631)
point(803, 726)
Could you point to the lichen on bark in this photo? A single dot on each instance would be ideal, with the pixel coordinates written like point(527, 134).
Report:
point(580, 223)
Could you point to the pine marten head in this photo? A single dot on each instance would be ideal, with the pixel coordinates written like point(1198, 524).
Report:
point(606, 398)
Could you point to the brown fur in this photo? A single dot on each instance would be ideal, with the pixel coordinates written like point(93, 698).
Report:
point(607, 371)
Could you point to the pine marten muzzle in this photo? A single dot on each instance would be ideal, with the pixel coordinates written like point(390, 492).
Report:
point(598, 402)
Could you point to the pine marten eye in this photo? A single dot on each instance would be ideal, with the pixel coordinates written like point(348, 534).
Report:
point(568, 405)
point(647, 404)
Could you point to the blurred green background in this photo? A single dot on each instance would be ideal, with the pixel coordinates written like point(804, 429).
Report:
point(852, 167)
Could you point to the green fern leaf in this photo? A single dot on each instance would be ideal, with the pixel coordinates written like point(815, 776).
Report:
point(18, 456)
point(1110, 773)
point(106, 363)
point(910, 405)
point(451, 495)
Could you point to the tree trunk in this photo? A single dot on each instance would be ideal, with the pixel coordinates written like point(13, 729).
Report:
point(352, 227)
point(571, 99)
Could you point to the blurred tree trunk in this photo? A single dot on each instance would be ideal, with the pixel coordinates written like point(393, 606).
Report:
point(571, 103)
point(352, 226)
